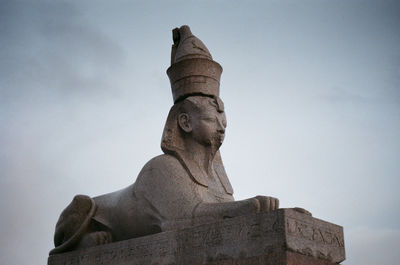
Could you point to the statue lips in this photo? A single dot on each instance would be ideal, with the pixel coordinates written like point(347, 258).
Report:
point(221, 136)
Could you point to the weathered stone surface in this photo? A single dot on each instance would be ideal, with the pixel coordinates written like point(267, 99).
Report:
point(278, 257)
point(284, 236)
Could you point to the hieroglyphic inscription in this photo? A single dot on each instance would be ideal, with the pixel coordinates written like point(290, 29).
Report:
point(308, 231)
point(71, 259)
point(119, 252)
point(242, 230)
point(309, 236)
point(142, 250)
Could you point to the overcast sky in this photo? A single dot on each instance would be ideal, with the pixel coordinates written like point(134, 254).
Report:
point(311, 90)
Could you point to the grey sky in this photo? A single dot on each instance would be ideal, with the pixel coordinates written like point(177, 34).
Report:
point(311, 89)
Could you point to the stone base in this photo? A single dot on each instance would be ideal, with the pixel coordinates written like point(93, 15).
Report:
point(281, 237)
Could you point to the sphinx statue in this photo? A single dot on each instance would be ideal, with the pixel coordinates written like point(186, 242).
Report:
point(185, 186)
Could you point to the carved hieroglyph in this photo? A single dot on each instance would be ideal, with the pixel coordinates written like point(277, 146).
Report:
point(185, 186)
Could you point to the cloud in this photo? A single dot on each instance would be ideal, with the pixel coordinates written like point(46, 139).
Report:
point(49, 49)
point(54, 67)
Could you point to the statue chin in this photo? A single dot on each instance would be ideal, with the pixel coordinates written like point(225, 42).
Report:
point(219, 139)
point(215, 143)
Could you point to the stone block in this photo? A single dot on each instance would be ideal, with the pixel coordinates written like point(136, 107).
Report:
point(284, 236)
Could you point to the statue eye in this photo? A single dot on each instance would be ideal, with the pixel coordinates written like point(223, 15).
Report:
point(207, 118)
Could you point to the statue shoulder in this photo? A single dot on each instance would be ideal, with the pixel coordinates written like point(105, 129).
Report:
point(165, 165)
point(163, 161)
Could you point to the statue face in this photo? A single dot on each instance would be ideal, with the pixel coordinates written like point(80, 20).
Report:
point(208, 125)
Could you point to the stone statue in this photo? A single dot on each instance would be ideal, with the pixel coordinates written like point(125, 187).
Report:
point(185, 186)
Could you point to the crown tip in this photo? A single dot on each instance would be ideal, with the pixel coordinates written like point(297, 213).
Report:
point(192, 70)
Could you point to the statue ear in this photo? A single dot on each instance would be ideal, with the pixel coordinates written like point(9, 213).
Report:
point(184, 122)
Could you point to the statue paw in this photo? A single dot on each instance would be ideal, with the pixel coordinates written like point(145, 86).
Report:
point(267, 203)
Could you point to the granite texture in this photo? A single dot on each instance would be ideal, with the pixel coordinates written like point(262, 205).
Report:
point(283, 236)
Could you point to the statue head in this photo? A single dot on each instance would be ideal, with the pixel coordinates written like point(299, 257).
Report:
point(197, 116)
point(196, 120)
point(198, 112)
point(202, 120)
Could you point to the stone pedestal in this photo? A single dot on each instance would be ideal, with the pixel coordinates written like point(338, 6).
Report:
point(281, 237)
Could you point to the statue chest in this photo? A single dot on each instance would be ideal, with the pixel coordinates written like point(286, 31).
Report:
point(215, 192)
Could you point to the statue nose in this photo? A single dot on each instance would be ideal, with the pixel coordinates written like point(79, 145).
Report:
point(221, 127)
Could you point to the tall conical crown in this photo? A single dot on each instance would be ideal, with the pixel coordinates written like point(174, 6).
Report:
point(192, 70)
